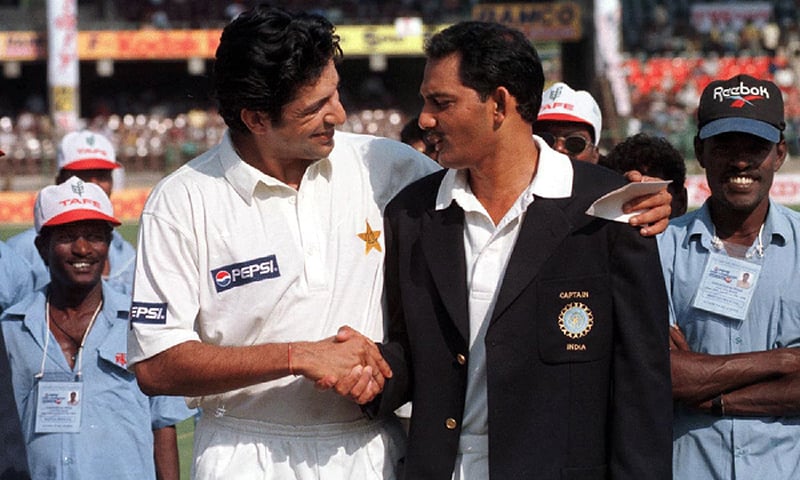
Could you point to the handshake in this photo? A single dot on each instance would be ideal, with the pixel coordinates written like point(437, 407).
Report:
point(349, 363)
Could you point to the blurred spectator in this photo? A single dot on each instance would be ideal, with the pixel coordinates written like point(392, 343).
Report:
point(90, 157)
point(570, 121)
point(413, 135)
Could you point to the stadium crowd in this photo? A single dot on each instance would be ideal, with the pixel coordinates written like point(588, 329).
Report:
point(668, 60)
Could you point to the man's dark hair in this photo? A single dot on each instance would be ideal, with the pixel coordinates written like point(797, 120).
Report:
point(656, 157)
point(265, 56)
point(653, 156)
point(492, 56)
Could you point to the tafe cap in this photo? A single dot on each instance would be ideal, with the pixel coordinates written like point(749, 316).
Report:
point(741, 104)
point(560, 103)
point(72, 201)
point(85, 150)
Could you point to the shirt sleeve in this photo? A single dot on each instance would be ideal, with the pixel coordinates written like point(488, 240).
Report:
point(166, 411)
point(666, 252)
point(166, 284)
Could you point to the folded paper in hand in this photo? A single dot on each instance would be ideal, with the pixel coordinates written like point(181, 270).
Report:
point(609, 206)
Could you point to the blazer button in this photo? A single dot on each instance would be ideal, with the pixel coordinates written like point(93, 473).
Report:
point(451, 423)
point(461, 359)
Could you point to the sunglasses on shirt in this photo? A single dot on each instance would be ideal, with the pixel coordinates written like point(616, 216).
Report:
point(574, 144)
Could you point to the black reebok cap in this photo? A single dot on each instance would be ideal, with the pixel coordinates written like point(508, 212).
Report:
point(741, 104)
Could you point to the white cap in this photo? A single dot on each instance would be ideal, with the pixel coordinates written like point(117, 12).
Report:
point(560, 103)
point(85, 150)
point(72, 201)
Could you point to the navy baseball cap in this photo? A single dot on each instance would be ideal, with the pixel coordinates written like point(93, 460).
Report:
point(741, 104)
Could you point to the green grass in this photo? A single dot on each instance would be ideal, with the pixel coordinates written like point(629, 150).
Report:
point(185, 439)
point(9, 230)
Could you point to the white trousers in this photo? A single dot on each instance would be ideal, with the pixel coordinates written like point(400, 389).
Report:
point(231, 448)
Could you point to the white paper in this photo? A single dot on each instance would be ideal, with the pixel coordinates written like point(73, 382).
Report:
point(609, 206)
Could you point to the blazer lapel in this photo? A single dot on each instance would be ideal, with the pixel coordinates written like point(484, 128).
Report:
point(544, 228)
point(443, 245)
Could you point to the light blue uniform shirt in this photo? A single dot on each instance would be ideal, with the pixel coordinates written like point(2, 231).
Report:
point(121, 256)
point(115, 438)
point(16, 277)
point(706, 446)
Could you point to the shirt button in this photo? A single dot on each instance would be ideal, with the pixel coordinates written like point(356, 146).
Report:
point(451, 423)
point(461, 359)
point(292, 200)
point(67, 460)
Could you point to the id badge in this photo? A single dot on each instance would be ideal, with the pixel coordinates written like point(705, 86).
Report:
point(727, 286)
point(58, 407)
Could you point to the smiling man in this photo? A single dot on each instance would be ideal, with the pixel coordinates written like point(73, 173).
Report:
point(89, 156)
point(67, 341)
point(735, 365)
point(255, 253)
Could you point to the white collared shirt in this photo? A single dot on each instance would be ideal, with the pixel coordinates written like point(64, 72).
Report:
point(487, 249)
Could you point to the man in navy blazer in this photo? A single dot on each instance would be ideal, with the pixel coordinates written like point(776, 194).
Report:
point(531, 337)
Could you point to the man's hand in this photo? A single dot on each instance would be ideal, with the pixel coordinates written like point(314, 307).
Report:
point(349, 362)
point(655, 218)
point(677, 341)
point(361, 385)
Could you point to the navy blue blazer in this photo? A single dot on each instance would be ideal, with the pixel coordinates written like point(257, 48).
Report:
point(577, 347)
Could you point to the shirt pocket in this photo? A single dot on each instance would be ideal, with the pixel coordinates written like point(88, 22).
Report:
point(788, 323)
point(574, 319)
point(115, 362)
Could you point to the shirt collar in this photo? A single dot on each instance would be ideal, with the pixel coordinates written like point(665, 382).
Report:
point(777, 227)
point(31, 311)
point(553, 179)
point(244, 178)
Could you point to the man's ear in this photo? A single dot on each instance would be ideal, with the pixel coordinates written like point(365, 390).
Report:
point(781, 151)
point(698, 150)
point(42, 243)
point(503, 102)
point(680, 202)
point(256, 121)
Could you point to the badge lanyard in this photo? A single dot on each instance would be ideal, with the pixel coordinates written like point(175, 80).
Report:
point(728, 283)
point(59, 404)
point(720, 245)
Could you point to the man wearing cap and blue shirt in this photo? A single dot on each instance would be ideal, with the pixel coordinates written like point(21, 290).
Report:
point(89, 156)
point(83, 415)
point(735, 365)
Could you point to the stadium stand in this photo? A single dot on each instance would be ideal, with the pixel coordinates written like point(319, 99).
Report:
point(669, 54)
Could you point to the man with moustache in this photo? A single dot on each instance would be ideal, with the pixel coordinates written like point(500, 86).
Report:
point(530, 337)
